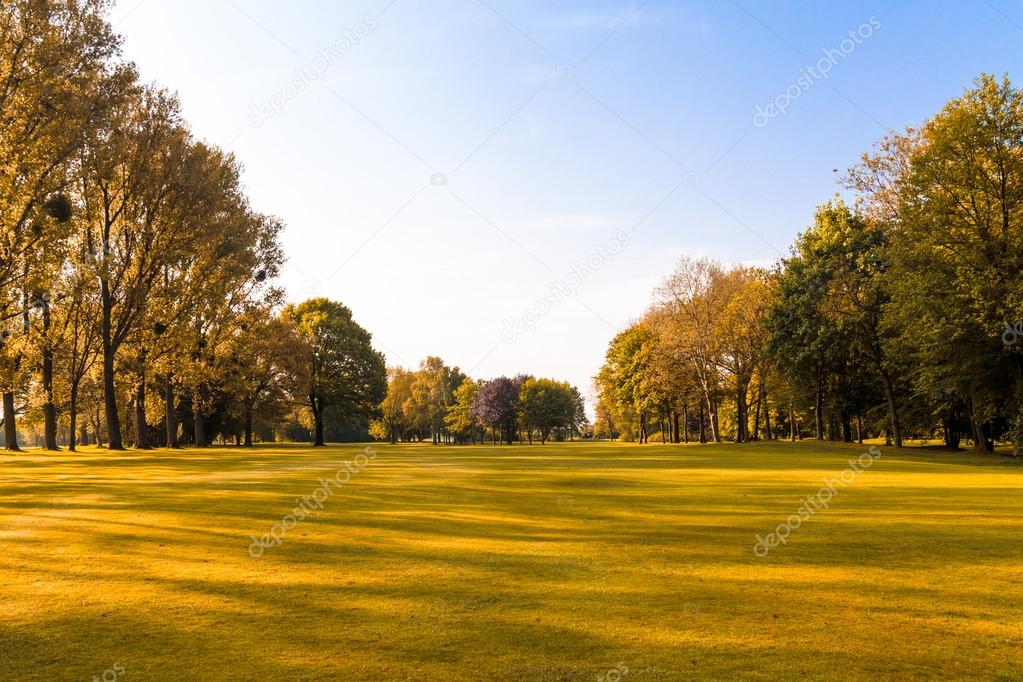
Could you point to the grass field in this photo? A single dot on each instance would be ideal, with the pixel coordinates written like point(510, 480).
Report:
point(563, 562)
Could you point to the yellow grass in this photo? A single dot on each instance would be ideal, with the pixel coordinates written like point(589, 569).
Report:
point(534, 563)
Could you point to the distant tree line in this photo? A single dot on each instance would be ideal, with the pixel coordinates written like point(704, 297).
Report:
point(899, 316)
point(440, 404)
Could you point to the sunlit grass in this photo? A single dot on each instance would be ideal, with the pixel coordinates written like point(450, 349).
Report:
point(534, 563)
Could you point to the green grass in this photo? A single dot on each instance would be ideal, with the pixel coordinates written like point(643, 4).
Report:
point(532, 563)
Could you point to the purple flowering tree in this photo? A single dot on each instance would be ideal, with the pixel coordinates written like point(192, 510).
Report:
point(495, 405)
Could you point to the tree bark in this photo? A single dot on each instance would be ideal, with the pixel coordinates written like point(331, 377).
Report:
point(49, 409)
point(199, 422)
point(715, 427)
point(72, 412)
point(703, 425)
point(10, 424)
point(317, 406)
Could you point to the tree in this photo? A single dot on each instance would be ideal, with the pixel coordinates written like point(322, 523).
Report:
point(460, 419)
point(345, 372)
point(496, 405)
point(399, 391)
point(268, 372)
point(740, 335)
point(431, 395)
point(545, 405)
point(55, 66)
point(129, 174)
point(691, 299)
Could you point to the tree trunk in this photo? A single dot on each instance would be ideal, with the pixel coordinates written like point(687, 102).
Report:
point(248, 424)
point(72, 413)
point(715, 427)
point(703, 425)
point(141, 442)
point(317, 406)
point(109, 352)
point(893, 416)
point(199, 423)
point(756, 413)
point(793, 426)
point(980, 439)
point(110, 401)
point(741, 422)
point(170, 415)
point(685, 421)
point(10, 424)
point(818, 409)
point(49, 409)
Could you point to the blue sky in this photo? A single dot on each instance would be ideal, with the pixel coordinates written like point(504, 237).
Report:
point(445, 165)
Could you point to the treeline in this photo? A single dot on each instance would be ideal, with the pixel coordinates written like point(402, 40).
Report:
point(441, 404)
point(136, 304)
point(896, 317)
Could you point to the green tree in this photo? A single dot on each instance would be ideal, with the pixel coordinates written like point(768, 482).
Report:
point(345, 372)
point(951, 194)
point(459, 418)
point(545, 405)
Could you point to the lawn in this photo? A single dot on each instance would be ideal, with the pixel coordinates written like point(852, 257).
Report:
point(561, 562)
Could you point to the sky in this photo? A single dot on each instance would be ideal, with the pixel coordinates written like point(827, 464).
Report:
point(503, 183)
